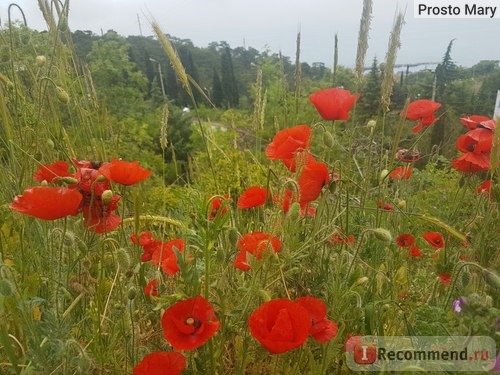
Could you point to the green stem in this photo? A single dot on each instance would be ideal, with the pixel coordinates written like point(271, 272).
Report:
point(60, 262)
point(355, 254)
point(456, 271)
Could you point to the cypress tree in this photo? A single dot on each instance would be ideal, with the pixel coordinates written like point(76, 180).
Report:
point(228, 80)
point(217, 93)
point(369, 102)
point(444, 74)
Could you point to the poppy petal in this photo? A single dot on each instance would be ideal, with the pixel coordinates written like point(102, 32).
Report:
point(123, 172)
point(47, 202)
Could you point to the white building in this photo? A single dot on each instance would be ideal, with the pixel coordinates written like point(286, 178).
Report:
point(496, 113)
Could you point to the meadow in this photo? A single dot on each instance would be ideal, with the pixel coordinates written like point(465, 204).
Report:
point(137, 238)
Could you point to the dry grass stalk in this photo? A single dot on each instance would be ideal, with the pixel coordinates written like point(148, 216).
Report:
point(175, 61)
point(163, 128)
point(388, 79)
point(364, 30)
point(298, 75)
point(258, 98)
point(335, 59)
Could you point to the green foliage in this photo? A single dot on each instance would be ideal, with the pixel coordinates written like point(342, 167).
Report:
point(369, 102)
point(119, 85)
point(228, 80)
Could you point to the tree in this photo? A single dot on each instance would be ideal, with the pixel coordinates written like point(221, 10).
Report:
point(118, 82)
point(217, 93)
point(370, 100)
point(485, 99)
point(228, 80)
point(445, 73)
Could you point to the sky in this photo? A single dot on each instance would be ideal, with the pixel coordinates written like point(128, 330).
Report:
point(273, 25)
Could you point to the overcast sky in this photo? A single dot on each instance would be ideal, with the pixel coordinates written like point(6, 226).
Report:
point(274, 24)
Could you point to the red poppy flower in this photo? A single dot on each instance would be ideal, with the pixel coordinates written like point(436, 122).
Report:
point(217, 204)
point(473, 121)
point(415, 252)
point(385, 206)
point(255, 244)
point(47, 202)
point(48, 172)
point(405, 240)
point(435, 239)
point(471, 162)
point(148, 243)
point(254, 196)
point(288, 141)
point(98, 217)
point(190, 323)
point(312, 179)
point(352, 341)
point(401, 173)
point(285, 199)
point(407, 156)
point(485, 187)
point(341, 239)
point(88, 183)
point(322, 329)
point(489, 124)
point(124, 172)
point(165, 256)
point(479, 140)
point(300, 159)
point(444, 278)
point(333, 103)
point(161, 363)
point(151, 289)
point(307, 210)
point(422, 110)
point(280, 325)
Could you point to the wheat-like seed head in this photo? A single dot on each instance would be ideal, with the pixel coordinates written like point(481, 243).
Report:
point(394, 44)
point(364, 30)
point(175, 61)
point(163, 128)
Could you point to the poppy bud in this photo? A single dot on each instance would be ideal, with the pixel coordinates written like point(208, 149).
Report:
point(132, 293)
point(401, 276)
point(265, 295)
point(50, 143)
point(371, 124)
point(328, 139)
point(361, 281)
point(100, 178)
point(492, 279)
point(62, 95)
point(402, 204)
point(294, 211)
point(44, 183)
point(68, 180)
point(40, 60)
point(123, 258)
point(383, 174)
point(382, 234)
point(106, 197)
